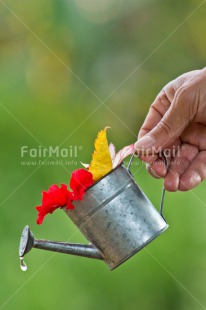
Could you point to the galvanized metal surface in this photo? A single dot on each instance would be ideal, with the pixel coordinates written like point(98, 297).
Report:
point(26, 241)
point(84, 250)
point(117, 217)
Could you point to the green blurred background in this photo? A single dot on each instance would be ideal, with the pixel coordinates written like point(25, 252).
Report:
point(68, 69)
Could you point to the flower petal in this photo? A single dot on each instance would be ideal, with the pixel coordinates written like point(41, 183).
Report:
point(81, 179)
point(101, 162)
point(126, 151)
point(112, 150)
point(85, 165)
point(56, 197)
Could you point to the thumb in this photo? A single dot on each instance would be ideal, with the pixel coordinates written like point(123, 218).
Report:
point(169, 128)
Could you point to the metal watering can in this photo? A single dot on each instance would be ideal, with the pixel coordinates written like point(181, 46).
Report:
point(115, 216)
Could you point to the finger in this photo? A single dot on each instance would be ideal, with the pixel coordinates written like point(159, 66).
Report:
point(170, 127)
point(195, 173)
point(179, 165)
point(152, 171)
point(195, 134)
point(156, 160)
point(148, 159)
point(155, 114)
point(159, 167)
point(155, 165)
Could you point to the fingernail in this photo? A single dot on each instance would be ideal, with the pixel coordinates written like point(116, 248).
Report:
point(152, 172)
point(144, 143)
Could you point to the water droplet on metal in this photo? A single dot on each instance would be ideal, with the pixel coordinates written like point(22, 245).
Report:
point(22, 264)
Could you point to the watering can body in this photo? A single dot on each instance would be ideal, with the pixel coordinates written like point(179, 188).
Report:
point(117, 217)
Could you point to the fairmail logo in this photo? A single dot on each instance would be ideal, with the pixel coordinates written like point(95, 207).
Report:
point(51, 151)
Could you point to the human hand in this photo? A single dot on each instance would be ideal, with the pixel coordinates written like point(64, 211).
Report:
point(176, 124)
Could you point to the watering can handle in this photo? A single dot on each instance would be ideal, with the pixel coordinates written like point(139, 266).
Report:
point(163, 189)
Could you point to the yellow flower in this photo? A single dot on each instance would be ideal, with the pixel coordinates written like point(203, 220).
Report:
point(101, 162)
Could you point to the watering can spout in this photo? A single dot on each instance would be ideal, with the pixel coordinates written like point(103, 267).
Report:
point(27, 242)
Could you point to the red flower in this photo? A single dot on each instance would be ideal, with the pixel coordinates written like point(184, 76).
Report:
point(58, 197)
point(81, 179)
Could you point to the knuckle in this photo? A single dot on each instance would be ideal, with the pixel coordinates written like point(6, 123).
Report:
point(163, 126)
point(181, 96)
point(184, 95)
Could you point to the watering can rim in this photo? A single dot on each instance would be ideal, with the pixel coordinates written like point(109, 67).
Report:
point(108, 173)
